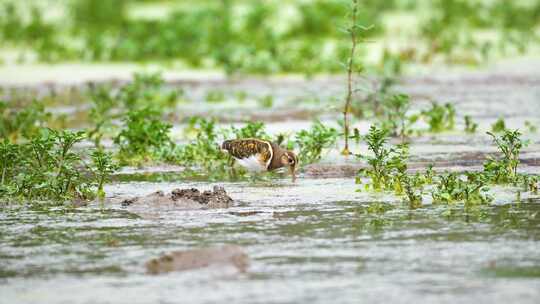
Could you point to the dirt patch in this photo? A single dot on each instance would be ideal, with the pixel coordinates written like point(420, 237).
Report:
point(183, 199)
point(199, 258)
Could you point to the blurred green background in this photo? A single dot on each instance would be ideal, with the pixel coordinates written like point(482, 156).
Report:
point(273, 36)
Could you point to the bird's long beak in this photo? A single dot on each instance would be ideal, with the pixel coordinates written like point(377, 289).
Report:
point(292, 169)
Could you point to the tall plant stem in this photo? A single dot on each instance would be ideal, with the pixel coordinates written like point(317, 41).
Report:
point(350, 67)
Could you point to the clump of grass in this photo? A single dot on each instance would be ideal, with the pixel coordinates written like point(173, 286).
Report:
point(504, 170)
point(440, 118)
point(312, 143)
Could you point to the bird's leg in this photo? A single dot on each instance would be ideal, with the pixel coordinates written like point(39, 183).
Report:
point(231, 164)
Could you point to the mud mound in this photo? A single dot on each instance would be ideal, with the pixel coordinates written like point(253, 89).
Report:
point(183, 199)
point(228, 255)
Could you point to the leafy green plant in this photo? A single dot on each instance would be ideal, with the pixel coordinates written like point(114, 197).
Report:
point(505, 168)
point(203, 154)
point(215, 96)
point(470, 126)
point(312, 142)
point(143, 135)
point(468, 188)
point(102, 113)
point(251, 130)
point(386, 165)
point(22, 123)
point(266, 101)
point(45, 168)
point(147, 90)
point(440, 118)
point(531, 127)
point(499, 126)
point(103, 167)
point(396, 119)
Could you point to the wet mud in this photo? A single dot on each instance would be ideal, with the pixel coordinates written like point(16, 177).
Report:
point(179, 199)
point(229, 255)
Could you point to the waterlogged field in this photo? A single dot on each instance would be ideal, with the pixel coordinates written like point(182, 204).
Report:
point(351, 228)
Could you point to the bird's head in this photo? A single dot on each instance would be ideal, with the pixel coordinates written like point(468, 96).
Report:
point(289, 159)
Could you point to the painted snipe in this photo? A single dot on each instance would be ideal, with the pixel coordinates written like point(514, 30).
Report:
point(257, 155)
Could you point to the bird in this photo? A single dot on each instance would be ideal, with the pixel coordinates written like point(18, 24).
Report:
point(257, 155)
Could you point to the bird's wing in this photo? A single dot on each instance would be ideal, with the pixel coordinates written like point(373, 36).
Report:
point(249, 148)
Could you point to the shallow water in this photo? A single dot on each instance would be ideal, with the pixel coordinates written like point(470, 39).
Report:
point(306, 244)
point(316, 241)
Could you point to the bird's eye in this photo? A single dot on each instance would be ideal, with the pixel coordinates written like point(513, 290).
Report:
point(291, 160)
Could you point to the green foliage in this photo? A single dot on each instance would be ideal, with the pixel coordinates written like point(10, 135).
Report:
point(256, 37)
point(312, 142)
point(470, 126)
point(468, 188)
point(504, 170)
point(531, 127)
point(386, 165)
point(147, 90)
point(103, 167)
point(266, 101)
point(499, 126)
point(204, 154)
point(215, 96)
point(45, 168)
point(395, 116)
point(102, 113)
point(251, 130)
point(440, 118)
point(22, 123)
point(143, 135)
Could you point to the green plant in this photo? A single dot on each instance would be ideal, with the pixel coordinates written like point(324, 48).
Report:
point(440, 118)
point(470, 126)
point(45, 168)
point(413, 193)
point(453, 187)
point(531, 127)
point(251, 130)
point(386, 165)
point(143, 135)
point(312, 142)
point(396, 119)
point(499, 126)
point(102, 168)
point(22, 123)
point(354, 30)
point(266, 101)
point(203, 153)
point(147, 90)
point(215, 96)
point(102, 113)
point(505, 169)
